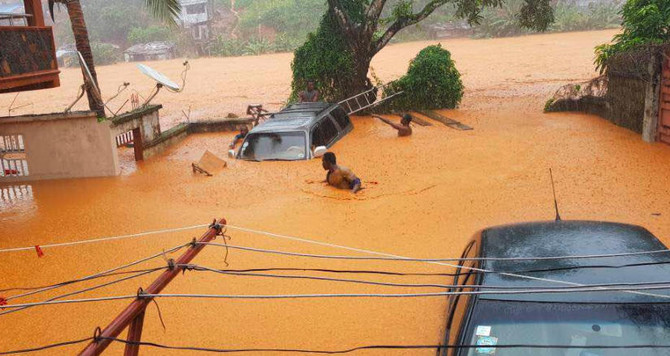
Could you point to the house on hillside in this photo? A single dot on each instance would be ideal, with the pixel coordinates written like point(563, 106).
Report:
point(196, 16)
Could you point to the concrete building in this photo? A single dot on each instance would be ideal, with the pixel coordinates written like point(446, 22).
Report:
point(196, 16)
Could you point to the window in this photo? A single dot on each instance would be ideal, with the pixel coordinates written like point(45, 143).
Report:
point(13, 161)
point(195, 9)
point(341, 118)
point(324, 133)
point(286, 146)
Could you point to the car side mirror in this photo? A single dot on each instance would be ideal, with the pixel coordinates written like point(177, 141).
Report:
point(320, 151)
point(231, 153)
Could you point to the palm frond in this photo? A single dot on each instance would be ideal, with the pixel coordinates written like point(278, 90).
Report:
point(165, 10)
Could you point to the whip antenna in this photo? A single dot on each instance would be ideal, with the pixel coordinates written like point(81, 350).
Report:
point(553, 188)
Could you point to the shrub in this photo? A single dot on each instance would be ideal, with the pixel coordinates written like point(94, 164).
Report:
point(645, 22)
point(105, 53)
point(257, 46)
point(149, 34)
point(432, 82)
point(223, 47)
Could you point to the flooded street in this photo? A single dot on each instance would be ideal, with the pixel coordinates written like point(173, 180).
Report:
point(424, 196)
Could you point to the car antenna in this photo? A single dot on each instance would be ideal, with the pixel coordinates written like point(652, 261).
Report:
point(553, 188)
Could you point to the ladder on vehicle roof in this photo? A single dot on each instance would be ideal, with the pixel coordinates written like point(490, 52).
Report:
point(365, 100)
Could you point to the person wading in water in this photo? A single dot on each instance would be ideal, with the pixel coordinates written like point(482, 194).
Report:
point(339, 176)
point(403, 129)
point(311, 94)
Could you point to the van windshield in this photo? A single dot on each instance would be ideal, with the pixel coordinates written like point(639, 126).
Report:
point(287, 146)
point(575, 325)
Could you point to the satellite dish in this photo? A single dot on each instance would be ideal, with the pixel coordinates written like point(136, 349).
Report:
point(158, 77)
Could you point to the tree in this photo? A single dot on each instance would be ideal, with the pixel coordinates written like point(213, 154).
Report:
point(367, 26)
point(166, 10)
point(645, 23)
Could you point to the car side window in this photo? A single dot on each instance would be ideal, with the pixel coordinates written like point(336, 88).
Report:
point(458, 313)
point(324, 133)
point(458, 303)
point(341, 118)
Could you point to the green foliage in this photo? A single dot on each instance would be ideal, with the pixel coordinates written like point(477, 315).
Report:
point(432, 82)
point(645, 22)
point(149, 34)
point(106, 21)
point(293, 18)
point(105, 53)
point(548, 104)
point(258, 46)
point(223, 47)
point(326, 58)
point(505, 21)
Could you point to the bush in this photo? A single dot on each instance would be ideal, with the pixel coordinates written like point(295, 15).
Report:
point(645, 22)
point(149, 34)
point(223, 47)
point(105, 53)
point(432, 82)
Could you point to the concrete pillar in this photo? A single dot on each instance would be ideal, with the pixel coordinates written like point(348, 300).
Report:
point(652, 100)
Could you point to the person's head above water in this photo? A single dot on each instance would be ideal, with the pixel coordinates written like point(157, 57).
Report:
point(406, 119)
point(329, 161)
point(244, 130)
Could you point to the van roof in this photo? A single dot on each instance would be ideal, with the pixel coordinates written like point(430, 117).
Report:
point(294, 117)
point(572, 238)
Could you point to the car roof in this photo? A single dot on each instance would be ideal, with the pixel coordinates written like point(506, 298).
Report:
point(295, 117)
point(572, 238)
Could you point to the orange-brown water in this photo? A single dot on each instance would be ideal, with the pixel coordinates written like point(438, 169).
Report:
point(433, 191)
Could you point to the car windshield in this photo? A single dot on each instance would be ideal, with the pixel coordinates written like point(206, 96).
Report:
point(274, 146)
point(577, 325)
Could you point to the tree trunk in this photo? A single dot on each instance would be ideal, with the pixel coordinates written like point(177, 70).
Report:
point(83, 46)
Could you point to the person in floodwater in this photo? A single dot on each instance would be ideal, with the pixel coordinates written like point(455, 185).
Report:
point(339, 176)
point(311, 94)
point(240, 136)
point(403, 129)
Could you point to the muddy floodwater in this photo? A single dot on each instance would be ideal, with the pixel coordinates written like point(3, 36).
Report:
point(424, 196)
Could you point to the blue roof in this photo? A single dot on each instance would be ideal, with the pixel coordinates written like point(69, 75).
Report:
point(572, 238)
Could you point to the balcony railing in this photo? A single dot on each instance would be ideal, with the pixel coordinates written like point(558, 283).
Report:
point(27, 58)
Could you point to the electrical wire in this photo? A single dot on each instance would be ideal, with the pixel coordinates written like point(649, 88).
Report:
point(192, 267)
point(392, 257)
point(90, 288)
point(409, 259)
point(102, 239)
point(47, 347)
point(23, 289)
point(469, 268)
point(583, 289)
point(384, 347)
point(99, 274)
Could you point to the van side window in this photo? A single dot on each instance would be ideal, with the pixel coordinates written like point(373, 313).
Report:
point(341, 118)
point(324, 133)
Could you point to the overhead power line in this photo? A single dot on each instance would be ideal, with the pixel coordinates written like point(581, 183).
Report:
point(350, 295)
point(103, 239)
point(409, 259)
point(410, 285)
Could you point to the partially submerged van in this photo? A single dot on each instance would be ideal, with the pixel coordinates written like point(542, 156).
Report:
point(298, 132)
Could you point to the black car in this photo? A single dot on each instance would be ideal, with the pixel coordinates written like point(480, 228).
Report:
point(298, 132)
point(575, 319)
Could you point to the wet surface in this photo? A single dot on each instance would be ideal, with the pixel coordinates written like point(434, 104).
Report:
point(425, 196)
